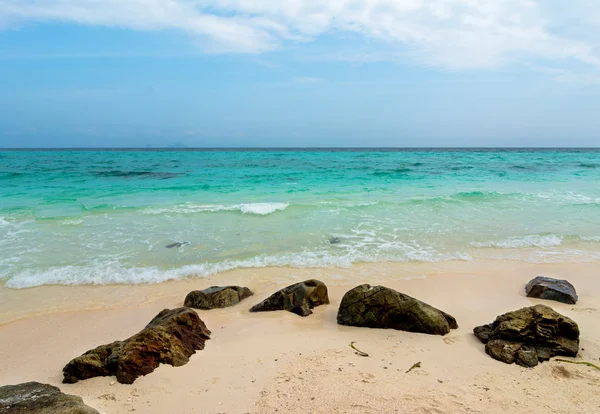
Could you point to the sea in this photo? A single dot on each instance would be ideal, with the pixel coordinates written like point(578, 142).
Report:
point(126, 216)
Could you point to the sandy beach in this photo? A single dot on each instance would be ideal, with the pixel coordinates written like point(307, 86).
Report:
point(280, 362)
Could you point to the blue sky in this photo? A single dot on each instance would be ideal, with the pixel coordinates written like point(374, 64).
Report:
point(91, 73)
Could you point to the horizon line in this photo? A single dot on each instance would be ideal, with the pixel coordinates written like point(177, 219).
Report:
point(324, 148)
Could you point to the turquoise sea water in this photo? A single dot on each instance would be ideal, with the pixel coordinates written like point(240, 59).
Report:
point(82, 217)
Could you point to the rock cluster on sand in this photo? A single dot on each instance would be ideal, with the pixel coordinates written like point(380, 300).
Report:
point(551, 289)
point(36, 398)
point(217, 297)
point(170, 338)
point(381, 307)
point(529, 335)
point(299, 298)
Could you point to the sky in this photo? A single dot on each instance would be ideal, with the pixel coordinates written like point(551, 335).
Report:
point(299, 73)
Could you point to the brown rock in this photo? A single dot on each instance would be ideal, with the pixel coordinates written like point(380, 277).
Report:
point(217, 297)
point(36, 398)
point(529, 335)
point(551, 289)
point(382, 307)
point(299, 298)
point(170, 338)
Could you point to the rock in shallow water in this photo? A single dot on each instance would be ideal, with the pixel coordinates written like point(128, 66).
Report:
point(170, 338)
point(36, 398)
point(551, 289)
point(382, 307)
point(217, 297)
point(178, 244)
point(299, 298)
point(529, 335)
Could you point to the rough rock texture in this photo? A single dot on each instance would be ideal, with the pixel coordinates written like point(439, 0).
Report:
point(217, 297)
point(36, 398)
point(170, 338)
point(529, 335)
point(551, 289)
point(299, 298)
point(382, 307)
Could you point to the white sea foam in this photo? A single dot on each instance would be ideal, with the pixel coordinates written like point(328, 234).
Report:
point(3, 222)
point(590, 238)
point(517, 242)
point(261, 209)
point(104, 273)
point(70, 222)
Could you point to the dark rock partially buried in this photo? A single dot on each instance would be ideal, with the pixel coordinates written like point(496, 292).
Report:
point(170, 338)
point(530, 335)
point(381, 307)
point(217, 297)
point(36, 398)
point(299, 298)
point(551, 289)
point(177, 244)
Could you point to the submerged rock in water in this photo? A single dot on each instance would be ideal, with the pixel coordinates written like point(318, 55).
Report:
point(178, 244)
point(299, 298)
point(36, 398)
point(334, 240)
point(170, 338)
point(529, 335)
point(381, 307)
point(551, 289)
point(217, 297)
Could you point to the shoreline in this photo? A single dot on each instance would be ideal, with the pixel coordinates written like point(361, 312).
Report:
point(277, 360)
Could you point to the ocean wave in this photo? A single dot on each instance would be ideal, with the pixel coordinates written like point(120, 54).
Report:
point(4, 222)
point(261, 209)
point(107, 273)
point(136, 174)
point(517, 242)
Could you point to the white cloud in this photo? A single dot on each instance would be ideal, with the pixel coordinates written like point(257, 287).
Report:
point(451, 34)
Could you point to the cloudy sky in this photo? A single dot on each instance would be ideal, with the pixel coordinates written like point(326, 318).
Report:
point(299, 73)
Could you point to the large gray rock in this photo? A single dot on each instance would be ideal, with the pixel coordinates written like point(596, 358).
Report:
point(36, 398)
point(551, 289)
point(382, 307)
point(170, 338)
point(529, 335)
point(217, 297)
point(299, 298)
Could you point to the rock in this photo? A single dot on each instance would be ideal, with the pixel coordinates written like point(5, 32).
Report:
point(551, 289)
point(382, 307)
point(217, 297)
point(334, 240)
point(170, 338)
point(178, 244)
point(36, 398)
point(529, 335)
point(299, 298)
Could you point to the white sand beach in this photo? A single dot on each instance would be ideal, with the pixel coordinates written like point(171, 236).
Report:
point(280, 362)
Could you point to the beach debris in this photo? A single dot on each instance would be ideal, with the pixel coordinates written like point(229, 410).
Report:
point(551, 289)
point(589, 364)
point(414, 366)
point(217, 297)
point(299, 298)
point(358, 351)
point(178, 244)
point(529, 335)
point(170, 338)
point(381, 307)
point(37, 398)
